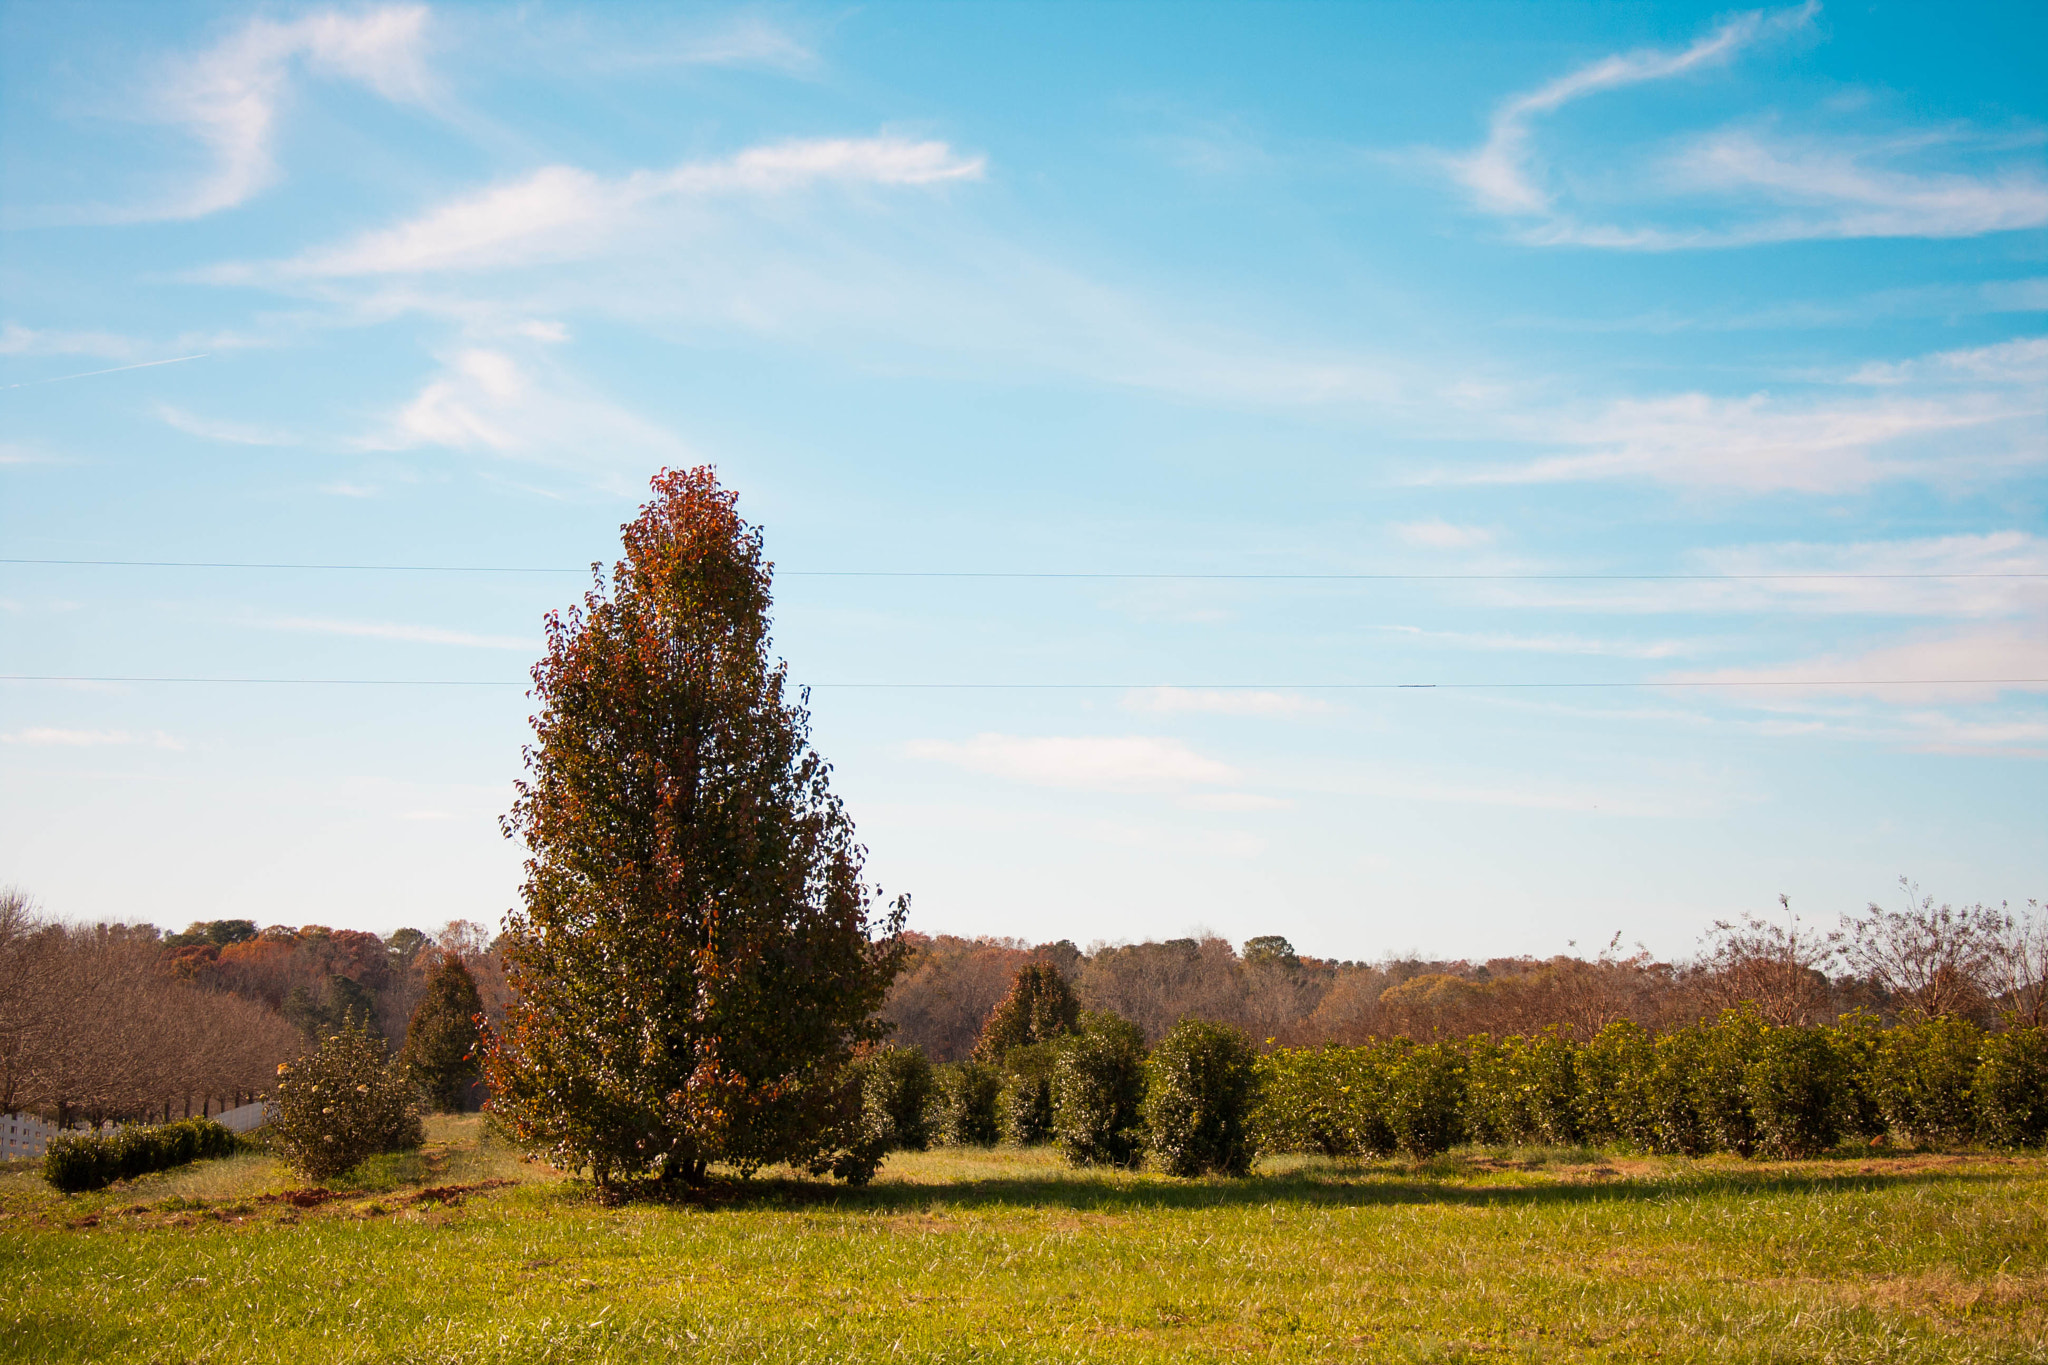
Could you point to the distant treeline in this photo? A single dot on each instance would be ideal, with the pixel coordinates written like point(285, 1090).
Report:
point(120, 1022)
point(1977, 962)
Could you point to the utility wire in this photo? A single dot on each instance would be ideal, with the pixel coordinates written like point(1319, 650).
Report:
point(1088, 686)
point(1003, 574)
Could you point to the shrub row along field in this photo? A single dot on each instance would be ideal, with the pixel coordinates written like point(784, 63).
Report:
point(1010, 1254)
point(1204, 1102)
point(78, 1162)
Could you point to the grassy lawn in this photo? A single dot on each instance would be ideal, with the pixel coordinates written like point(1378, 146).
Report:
point(1009, 1256)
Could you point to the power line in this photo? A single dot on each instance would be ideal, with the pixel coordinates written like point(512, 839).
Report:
point(1086, 686)
point(1078, 576)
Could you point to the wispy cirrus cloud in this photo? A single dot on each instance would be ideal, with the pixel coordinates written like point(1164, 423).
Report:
point(1969, 665)
point(1737, 186)
point(218, 429)
point(394, 630)
point(48, 736)
point(488, 400)
point(1500, 173)
point(564, 212)
point(1183, 701)
point(1102, 762)
point(1949, 417)
point(1438, 534)
point(228, 97)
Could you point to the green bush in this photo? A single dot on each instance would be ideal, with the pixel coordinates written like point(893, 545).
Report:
point(92, 1161)
point(1203, 1083)
point(1523, 1090)
point(1857, 1038)
point(965, 1103)
point(1426, 1098)
point(2011, 1088)
point(1721, 1055)
point(1024, 1112)
point(1615, 1103)
point(1797, 1082)
point(341, 1104)
point(1923, 1079)
point(1098, 1086)
point(1328, 1100)
point(896, 1089)
point(1671, 1093)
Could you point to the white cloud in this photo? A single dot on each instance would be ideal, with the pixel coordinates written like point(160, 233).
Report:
point(88, 739)
point(390, 630)
point(16, 339)
point(1855, 198)
point(490, 401)
point(1499, 175)
point(341, 488)
point(1948, 417)
point(215, 429)
point(1758, 187)
point(1113, 763)
point(1234, 801)
point(1438, 534)
point(1555, 644)
point(1174, 701)
point(1987, 576)
point(228, 97)
point(2006, 658)
point(563, 212)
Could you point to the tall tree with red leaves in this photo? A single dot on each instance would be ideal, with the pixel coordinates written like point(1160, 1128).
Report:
point(696, 958)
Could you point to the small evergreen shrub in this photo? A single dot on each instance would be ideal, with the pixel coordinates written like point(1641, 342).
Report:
point(2011, 1088)
point(1616, 1103)
point(1098, 1088)
point(1856, 1039)
point(1024, 1112)
point(342, 1103)
point(1671, 1090)
point(965, 1103)
point(896, 1088)
point(1923, 1079)
point(1523, 1090)
point(1426, 1098)
point(1796, 1080)
point(1203, 1084)
point(1722, 1054)
point(1329, 1100)
point(92, 1161)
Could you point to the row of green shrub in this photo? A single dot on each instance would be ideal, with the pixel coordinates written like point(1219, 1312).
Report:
point(92, 1161)
point(1203, 1100)
point(1095, 1092)
point(1737, 1085)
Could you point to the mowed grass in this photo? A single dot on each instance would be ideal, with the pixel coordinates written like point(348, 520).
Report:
point(1009, 1256)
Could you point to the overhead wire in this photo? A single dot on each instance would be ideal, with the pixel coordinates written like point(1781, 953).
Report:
point(1085, 575)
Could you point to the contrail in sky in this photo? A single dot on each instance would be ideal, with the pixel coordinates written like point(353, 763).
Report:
point(57, 379)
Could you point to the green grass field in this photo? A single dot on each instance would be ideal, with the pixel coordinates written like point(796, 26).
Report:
point(1009, 1256)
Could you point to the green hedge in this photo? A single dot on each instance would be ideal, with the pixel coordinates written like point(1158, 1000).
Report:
point(76, 1162)
point(1736, 1085)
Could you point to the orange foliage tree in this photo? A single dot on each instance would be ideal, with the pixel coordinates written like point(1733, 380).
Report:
point(696, 958)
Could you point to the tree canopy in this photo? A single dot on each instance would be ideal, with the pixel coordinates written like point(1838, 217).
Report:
point(695, 957)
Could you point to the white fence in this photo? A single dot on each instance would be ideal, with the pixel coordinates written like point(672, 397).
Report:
point(24, 1136)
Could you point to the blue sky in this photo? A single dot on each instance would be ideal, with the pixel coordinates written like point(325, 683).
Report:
point(1678, 300)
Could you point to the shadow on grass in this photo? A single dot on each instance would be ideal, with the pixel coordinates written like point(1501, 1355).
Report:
point(1086, 1191)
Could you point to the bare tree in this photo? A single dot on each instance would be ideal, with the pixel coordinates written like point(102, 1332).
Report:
point(1781, 968)
point(1939, 960)
point(2020, 973)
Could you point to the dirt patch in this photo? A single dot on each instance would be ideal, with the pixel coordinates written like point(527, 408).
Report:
point(452, 1194)
point(302, 1199)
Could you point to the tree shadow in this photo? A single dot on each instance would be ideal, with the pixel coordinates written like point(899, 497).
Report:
point(1114, 1192)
